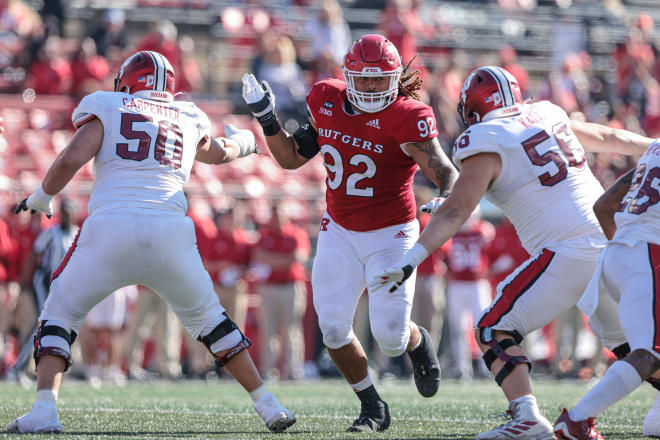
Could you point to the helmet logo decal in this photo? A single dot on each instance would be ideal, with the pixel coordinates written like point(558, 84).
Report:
point(495, 98)
point(150, 80)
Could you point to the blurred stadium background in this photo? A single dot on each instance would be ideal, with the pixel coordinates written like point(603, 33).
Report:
point(598, 59)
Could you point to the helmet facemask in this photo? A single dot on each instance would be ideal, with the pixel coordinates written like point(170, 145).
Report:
point(371, 102)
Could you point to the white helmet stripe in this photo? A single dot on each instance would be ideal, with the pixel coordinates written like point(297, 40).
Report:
point(159, 68)
point(501, 79)
point(507, 81)
point(163, 71)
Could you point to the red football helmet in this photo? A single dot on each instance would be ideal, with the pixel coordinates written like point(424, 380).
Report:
point(372, 55)
point(146, 73)
point(489, 92)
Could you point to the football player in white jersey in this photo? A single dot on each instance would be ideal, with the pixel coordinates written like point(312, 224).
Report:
point(144, 145)
point(528, 159)
point(629, 272)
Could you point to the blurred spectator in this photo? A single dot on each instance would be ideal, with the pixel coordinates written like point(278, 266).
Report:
point(402, 25)
point(509, 60)
point(505, 252)
point(329, 33)
point(189, 78)
point(89, 69)
point(285, 78)
point(52, 13)
point(468, 290)
point(50, 73)
point(110, 35)
point(100, 339)
point(279, 259)
point(162, 39)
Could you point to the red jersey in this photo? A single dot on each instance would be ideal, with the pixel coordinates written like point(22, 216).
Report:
point(467, 256)
point(369, 184)
point(286, 241)
point(231, 247)
point(506, 252)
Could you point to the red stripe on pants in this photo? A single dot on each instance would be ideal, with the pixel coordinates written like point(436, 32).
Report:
point(654, 259)
point(516, 288)
point(59, 270)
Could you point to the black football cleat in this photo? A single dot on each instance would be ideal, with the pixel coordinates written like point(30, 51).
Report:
point(426, 367)
point(373, 417)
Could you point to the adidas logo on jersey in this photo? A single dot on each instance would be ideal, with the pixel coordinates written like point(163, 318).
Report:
point(400, 234)
point(375, 123)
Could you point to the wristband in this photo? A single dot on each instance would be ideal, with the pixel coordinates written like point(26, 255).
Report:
point(415, 256)
point(41, 198)
point(269, 124)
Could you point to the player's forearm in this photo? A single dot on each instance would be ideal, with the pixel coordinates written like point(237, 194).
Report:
point(446, 221)
point(608, 203)
point(283, 148)
point(601, 139)
point(61, 172)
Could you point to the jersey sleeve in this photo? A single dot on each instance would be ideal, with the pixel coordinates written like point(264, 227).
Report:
point(473, 141)
point(418, 126)
point(88, 109)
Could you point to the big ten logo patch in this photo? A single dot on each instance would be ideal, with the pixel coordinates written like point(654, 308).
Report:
point(324, 224)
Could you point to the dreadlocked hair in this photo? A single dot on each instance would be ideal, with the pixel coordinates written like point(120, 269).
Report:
point(410, 82)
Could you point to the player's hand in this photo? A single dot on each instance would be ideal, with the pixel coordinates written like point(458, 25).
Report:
point(261, 101)
point(433, 205)
point(259, 97)
point(397, 275)
point(244, 139)
point(38, 201)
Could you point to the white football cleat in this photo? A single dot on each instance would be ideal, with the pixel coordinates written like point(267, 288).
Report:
point(271, 411)
point(526, 423)
point(42, 418)
point(651, 426)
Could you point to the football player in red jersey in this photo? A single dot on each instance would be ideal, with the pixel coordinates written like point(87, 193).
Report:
point(373, 133)
point(528, 158)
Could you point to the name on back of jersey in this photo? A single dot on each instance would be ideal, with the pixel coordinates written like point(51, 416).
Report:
point(151, 107)
point(350, 140)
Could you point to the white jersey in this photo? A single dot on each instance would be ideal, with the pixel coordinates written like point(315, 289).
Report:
point(638, 217)
point(147, 152)
point(545, 187)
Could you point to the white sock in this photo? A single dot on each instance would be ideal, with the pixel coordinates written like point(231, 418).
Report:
point(47, 396)
point(258, 393)
point(363, 384)
point(620, 380)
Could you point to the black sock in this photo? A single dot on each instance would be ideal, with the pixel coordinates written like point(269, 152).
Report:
point(368, 395)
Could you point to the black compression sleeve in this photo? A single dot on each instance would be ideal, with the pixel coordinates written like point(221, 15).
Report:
point(307, 139)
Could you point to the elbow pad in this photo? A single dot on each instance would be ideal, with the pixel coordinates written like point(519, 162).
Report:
point(307, 139)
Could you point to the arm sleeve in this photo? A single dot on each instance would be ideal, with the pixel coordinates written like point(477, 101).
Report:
point(473, 141)
point(88, 109)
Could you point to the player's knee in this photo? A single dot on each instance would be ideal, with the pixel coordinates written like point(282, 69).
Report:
point(225, 340)
point(335, 336)
point(53, 338)
point(498, 342)
point(645, 362)
point(391, 342)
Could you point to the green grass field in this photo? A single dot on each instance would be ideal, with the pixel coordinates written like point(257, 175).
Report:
point(221, 410)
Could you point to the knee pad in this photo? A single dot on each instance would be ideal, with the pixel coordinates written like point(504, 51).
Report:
point(225, 335)
point(52, 338)
point(497, 351)
point(390, 343)
point(335, 337)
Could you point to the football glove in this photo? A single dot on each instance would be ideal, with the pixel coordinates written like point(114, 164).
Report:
point(399, 273)
point(261, 101)
point(244, 139)
point(38, 201)
point(433, 205)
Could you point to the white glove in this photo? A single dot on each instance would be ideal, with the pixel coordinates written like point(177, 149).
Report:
point(399, 273)
point(433, 205)
point(243, 138)
point(259, 97)
point(38, 201)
